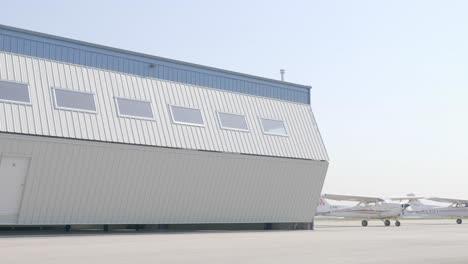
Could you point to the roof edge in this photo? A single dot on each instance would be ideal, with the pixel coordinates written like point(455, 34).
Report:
point(147, 56)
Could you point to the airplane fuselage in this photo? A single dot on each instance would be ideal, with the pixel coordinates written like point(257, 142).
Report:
point(442, 212)
point(378, 211)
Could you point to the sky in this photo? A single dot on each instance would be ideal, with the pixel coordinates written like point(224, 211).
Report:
point(389, 78)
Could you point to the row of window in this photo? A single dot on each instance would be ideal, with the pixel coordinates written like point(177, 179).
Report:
point(84, 101)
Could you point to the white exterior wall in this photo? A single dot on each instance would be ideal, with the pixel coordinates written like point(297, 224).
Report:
point(41, 118)
point(83, 182)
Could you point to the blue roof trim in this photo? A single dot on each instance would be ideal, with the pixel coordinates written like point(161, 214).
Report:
point(78, 52)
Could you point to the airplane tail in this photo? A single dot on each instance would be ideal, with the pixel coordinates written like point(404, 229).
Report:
point(416, 204)
point(323, 206)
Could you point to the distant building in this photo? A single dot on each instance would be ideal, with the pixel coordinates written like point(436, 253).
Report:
point(97, 135)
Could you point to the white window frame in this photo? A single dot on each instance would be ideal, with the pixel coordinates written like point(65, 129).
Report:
point(130, 116)
point(274, 134)
point(18, 102)
point(186, 123)
point(56, 106)
point(231, 128)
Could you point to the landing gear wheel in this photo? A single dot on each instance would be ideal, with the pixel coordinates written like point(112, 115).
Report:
point(387, 222)
point(364, 223)
point(397, 223)
point(459, 221)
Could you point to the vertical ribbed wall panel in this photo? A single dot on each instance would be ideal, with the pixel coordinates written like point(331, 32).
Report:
point(82, 182)
point(42, 118)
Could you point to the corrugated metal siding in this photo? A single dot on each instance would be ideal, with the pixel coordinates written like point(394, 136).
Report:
point(82, 182)
point(41, 118)
point(36, 45)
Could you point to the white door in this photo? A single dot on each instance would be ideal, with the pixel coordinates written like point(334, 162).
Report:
point(13, 171)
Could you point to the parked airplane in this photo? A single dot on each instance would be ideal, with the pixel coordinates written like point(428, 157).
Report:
point(367, 208)
point(458, 209)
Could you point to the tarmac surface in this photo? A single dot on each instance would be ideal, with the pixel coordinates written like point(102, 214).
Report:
point(416, 241)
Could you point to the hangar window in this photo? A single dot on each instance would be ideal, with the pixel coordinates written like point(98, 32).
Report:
point(186, 116)
point(74, 100)
point(232, 121)
point(134, 108)
point(14, 92)
point(274, 127)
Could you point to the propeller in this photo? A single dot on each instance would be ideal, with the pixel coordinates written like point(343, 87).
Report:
point(404, 206)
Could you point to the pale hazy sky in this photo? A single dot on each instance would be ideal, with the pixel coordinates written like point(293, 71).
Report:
point(390, 78)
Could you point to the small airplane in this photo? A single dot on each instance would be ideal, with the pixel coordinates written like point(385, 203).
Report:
point(458, 208)
point(367, 208)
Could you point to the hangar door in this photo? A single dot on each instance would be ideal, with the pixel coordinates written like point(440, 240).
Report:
point(13, 171)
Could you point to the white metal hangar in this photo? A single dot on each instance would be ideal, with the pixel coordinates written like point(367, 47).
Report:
point(97, 135)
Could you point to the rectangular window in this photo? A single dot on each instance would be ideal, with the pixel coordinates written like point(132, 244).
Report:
point(134, 108)
point(233, 121)
point(274, 127)
point(186, 116)
point(14, 92)
point(74, 100)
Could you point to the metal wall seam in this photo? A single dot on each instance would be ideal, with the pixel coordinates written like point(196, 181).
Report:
point(132, 91)
point(180, 130)
point(48, 101)
point(116, 88)
point(315, 139)
point(209, 138)
point(238, 137)
point(132, 124)
point(38, 72)
point(213, 137)
point(160, 93)
point(94, 176)
point(8, 107)
point(282, 115)
point(200, 138)
point(318, 136)
point(307, 132)
point(98, 128)
point(161, 113)
point(145, 124)
point(268, 140)
point(148, 124)
point(105, 126)
point(255, 144)
point(228, 135)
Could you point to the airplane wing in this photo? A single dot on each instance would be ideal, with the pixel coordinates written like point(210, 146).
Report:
point(447, 200)
point(407, 198)
point(364, 199)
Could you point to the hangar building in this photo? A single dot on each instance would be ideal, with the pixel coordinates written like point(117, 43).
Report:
point(97, 135)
